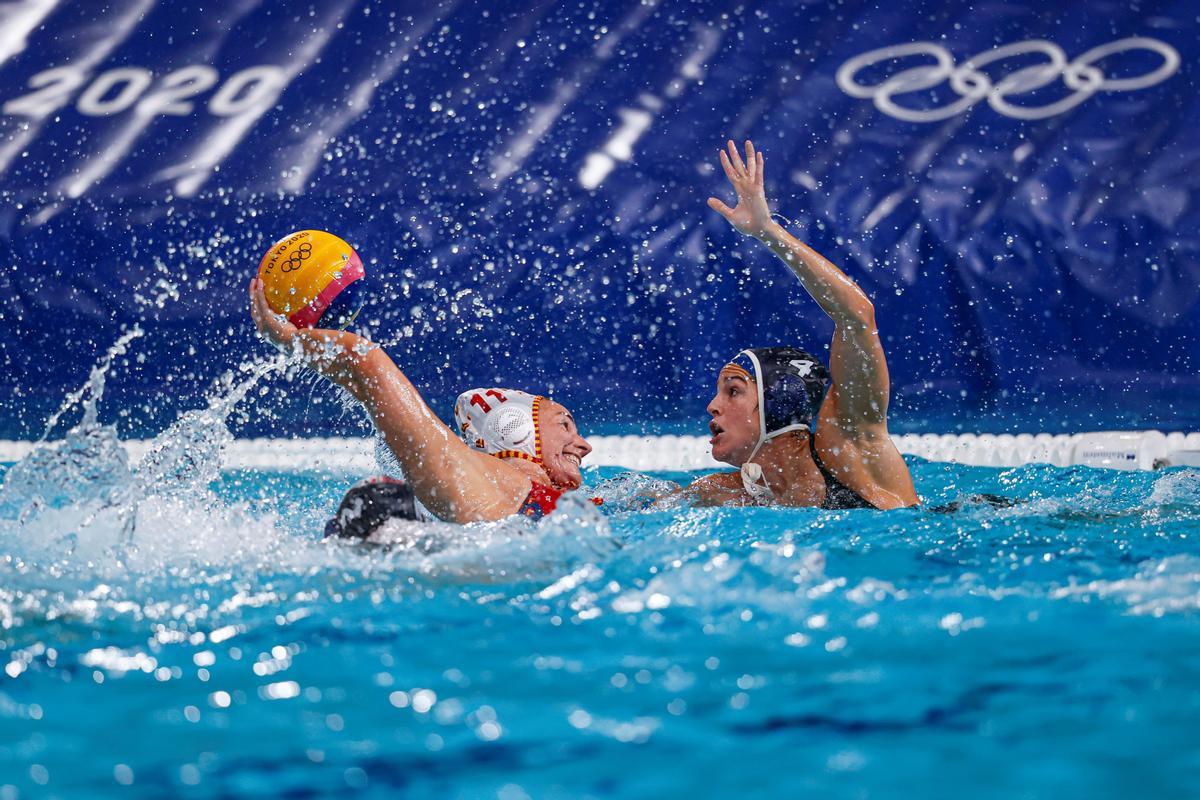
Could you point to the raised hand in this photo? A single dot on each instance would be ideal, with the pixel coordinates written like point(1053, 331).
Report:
point(751, 216)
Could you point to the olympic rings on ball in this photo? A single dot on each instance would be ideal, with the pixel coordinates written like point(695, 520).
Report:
point(304, 271)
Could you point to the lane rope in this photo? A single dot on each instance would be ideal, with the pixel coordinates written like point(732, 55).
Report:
point(1111, 449)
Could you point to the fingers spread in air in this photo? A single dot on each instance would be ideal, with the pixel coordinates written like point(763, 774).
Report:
point(719, 207)
point(758, 175)
point(736, 159)
point(751, 161)
point(730, 172)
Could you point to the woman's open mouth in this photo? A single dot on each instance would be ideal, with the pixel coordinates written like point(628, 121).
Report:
point(716, 430)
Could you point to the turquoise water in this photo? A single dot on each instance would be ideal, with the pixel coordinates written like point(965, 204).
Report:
point(192, 635)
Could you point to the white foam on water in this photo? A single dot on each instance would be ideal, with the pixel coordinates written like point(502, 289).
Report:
point(1160, 587)
point(1177, 488)
point(507, 551)
point(77, 505)
point(80, 507)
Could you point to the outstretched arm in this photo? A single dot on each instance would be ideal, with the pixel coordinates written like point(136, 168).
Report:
point(856, 361)
point(451, 480)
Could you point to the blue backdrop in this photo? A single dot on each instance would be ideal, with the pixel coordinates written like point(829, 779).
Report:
point(1015, 185)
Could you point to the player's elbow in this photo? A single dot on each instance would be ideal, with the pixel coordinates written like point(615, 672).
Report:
point(866, 313)
point(368, 371)
point(859, 317)
point(372, 360)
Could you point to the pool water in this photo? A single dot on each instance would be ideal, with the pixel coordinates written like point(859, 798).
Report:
point(180, 629)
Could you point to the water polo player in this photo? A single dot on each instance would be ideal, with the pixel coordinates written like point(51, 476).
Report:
point(802, 434)
point(521, 453)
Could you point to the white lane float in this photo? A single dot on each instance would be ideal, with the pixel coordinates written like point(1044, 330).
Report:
point(1124, 450)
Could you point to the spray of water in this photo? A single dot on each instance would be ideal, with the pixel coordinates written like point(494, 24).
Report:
point(93, 389)
point(78, 503)
point(80, 496)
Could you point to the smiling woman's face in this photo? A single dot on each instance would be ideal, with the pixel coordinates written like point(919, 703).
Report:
point(563, 449)
point(734, 410)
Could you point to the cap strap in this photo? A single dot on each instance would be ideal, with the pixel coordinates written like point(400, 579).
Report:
point(516, 454)
point(537, 429)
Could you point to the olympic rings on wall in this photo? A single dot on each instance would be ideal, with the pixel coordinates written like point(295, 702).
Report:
point(973, 85)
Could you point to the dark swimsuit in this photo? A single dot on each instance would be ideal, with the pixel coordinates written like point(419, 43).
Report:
point(838, 495)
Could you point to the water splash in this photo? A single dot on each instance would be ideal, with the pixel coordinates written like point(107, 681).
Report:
point(79, 504)
point(89, 463)
point(1160, 587)
point(93, 388)
point(187, 457)
point(633, 491)
point(80, 496)
point(511, 550)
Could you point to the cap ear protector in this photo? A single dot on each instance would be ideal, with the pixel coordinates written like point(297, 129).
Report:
point(791, 386)
point(501, 422)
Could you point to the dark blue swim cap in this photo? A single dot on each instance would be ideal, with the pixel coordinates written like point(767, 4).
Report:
point(791, 387)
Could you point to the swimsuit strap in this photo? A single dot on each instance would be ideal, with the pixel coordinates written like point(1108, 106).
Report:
point(837, 494)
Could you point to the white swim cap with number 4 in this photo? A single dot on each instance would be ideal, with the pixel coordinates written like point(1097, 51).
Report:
point(500, 422)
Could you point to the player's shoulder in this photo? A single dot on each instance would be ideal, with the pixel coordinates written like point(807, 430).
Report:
point(730, 479)
point(718, 488)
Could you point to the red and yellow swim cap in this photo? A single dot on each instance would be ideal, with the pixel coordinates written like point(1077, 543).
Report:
point(304, 271)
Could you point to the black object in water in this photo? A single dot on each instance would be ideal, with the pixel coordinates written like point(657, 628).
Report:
point(369, 504)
